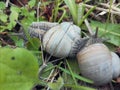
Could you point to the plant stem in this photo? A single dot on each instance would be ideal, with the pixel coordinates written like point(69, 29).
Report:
point(38, 11)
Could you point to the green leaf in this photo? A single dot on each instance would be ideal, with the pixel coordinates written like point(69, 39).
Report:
point(81, 9)
point(46, 71)
point(26, 23)
point(18, 41)
point(74, 65)
point(112, 32)
point(2, 5)
point(31, 3)
point(27, 13)
point(86, 15)
point(24, 11)
point(36, 43)
point(29, 17)
point(2, 28)
point(16, 9)
point(32, 13)
point(3, 17)
point(18, 69)
point(13, 17)
point(9, 26)
point(28, 20)
point(57, 85)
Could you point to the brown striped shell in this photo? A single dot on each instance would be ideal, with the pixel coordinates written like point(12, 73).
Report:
point(95, 62)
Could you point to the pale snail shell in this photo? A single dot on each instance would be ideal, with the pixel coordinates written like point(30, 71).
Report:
point(59, 40)
point(115, 65)
point(95, 63)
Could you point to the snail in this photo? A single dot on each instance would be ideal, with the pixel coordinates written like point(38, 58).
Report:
point(63, 40)
point(95, 62)
point(115, 65)
point(98, 63)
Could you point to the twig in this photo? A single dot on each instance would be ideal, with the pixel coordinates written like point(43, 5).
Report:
point(4, 42)
point(44, 79)
point(92, 14)
point(41, 69)
point(49, 77)
point(108, 6)
point(118, 5)
point(20, 2)
point(38, 11)
point(102, 9)
point(7, 2)
point(12, 4)
point(56, 60)
point(43, 61)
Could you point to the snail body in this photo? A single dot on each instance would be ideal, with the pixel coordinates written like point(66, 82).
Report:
point(95, 63)
point(38, 29)
point(60, 40)
point(115, 65)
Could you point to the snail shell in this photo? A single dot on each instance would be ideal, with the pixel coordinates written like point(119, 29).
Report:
point(115, 65)
point(95, 63)
point(59, 40)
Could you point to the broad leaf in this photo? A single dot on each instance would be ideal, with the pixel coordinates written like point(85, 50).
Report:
point(57, 85)
point(31, 3)
point(15, 8)
point(13, 17)
point(33, 44)
point(3, 17)
point(18, 69)
point(112, 32)
point(2, 5)
point(19, 42)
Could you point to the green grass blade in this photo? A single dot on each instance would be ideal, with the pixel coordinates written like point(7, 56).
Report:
point(76, 87)
point(76, 75)
point(64, 12)
point(81, 9)
point(86, 15)
point(71, 72)
point(73, 9)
